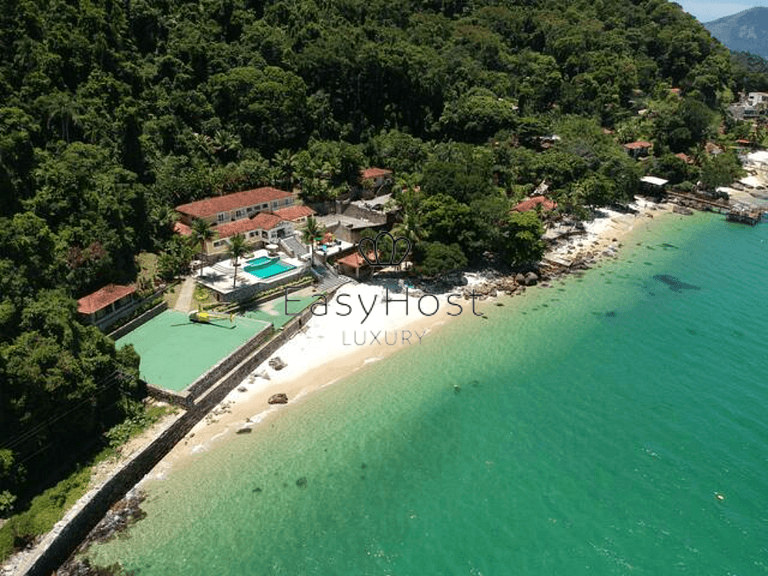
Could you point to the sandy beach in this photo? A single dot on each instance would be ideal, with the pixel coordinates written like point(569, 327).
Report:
point(357, 328)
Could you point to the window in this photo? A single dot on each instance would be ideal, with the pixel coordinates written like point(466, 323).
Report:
point(222, 217)
point(219, 243)
point(287, 201)
point(264, 234)
point(239, 214)
point(250, 209)
point(265, 206)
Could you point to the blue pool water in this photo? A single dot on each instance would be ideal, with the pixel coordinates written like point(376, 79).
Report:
point(266, 267)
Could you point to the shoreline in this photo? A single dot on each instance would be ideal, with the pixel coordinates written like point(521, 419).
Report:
point(317, 356)
point(325, 350)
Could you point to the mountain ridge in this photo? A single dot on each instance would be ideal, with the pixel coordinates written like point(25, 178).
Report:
point(746, 31)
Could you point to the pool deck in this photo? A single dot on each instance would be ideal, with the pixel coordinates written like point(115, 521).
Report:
point(221, 276)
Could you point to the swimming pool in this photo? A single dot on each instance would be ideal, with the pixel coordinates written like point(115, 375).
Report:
point(266, 267)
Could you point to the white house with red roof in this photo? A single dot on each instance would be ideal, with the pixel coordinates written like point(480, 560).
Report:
point(252, 213)
point(107, 305)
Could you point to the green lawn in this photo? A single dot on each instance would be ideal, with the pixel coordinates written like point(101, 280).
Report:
point(175, 352)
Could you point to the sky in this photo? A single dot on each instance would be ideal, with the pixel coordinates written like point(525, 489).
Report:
point(708, 10)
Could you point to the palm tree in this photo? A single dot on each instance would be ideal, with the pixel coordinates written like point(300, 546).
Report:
point(201, 233)
point(284, 162)
point(411, 229)
point(237, 249)
point(312, 232)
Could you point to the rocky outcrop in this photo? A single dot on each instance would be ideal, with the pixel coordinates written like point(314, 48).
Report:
point(278, 399)
point(277, 363)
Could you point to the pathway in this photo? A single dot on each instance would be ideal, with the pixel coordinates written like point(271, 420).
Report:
point(187, 291)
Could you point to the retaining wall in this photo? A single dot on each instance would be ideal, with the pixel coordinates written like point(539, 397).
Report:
point(199, 386)
point(183, 400)
point(69, 532)
point(138, 321)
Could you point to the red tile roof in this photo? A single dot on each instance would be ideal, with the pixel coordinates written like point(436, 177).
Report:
point(355, 260)
point(262, 221)
point(181, 228)
point(374, 172)
point(638, 145)
point(684, 157)
point(531, 203)
point(743, 141)
point(293, 213)
point(103, 297)
point(212, 206)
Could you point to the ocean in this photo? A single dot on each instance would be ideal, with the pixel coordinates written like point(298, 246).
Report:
point(614, 423)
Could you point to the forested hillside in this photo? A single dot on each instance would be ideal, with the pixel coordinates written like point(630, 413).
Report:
point(112, 112)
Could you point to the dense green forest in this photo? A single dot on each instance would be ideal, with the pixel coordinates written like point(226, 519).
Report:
point(113, 112)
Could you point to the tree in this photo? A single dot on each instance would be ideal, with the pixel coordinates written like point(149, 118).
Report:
point(435, 258)
point(237, 250)
point(522, 232)
point(313, 231)
point(201, 234)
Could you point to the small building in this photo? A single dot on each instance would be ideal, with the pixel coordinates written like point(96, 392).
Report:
point(638, 149)
point(532, 203)
point(653, 185)
point(685, 158)
point(354, 265)
point(107, 305)
point(296, 214)
point(377, 176)
point(758, 99)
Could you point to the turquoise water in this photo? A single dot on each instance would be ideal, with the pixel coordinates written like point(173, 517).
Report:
point(262, 268)
point(595, 425)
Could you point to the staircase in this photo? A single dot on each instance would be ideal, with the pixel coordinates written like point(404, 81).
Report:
point(328, 280)
point(293, 246)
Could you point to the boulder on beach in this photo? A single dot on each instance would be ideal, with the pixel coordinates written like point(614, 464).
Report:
point(278, 399)
point(277, 363)
point(244, 430)
point(520, 279)
point(531, 278)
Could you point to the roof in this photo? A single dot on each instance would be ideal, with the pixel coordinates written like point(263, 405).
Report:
point(262, 221)
point(375, 172)
point(637, 145)
point(743, 141)
point(355, 260)
point(653, 180)
point(103, 297)
point(181, 228)
point(684, 157)
point(212, 206)
point(295, 212)
point(531, 203)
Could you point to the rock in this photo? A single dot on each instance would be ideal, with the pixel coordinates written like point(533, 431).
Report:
point(531, 278)
point(682, 210)
point(277, 363)
point(263, 374)
point(242, 389)
point(520, 279)
point(302, 482)
point(278, 399)
point(244, 430)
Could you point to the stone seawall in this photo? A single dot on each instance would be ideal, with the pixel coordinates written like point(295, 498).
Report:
point(69, 532)
point(138, 321)
point(199, 386)
point(184, 400)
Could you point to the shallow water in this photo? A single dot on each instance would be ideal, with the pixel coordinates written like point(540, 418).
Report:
point(613, 424)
